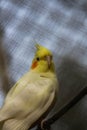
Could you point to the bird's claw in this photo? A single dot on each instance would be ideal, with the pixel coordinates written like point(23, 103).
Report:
point(45, 125)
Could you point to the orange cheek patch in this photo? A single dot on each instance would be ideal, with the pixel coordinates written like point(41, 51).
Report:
point(34, 65)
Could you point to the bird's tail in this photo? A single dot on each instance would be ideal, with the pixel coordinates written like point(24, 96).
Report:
point(2, 120)
point(13, 124)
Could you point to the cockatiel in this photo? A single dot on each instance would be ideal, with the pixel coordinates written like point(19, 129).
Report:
point(32, 95)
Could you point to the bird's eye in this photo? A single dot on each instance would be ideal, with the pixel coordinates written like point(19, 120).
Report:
point(38, 58)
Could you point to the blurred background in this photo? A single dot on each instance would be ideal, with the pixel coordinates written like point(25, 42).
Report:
point(61, 26)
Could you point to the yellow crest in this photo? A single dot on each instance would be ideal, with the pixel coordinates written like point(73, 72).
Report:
point(38, 46)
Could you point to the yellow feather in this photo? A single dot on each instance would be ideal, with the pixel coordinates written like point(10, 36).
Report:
point(42, 51)
point(31, 96)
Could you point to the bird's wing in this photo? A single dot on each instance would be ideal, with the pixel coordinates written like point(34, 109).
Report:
point(19, 86)
point(35, 98)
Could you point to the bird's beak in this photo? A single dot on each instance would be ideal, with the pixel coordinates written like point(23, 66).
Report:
point(49, 58)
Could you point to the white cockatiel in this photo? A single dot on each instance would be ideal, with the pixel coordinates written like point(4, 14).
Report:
point(32, 95)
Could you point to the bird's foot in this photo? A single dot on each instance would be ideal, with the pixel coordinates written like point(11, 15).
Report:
point(45, 125)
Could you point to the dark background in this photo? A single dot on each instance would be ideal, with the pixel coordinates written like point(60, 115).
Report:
point(61, 26)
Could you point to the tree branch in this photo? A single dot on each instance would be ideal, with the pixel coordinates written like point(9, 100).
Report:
point(66, 108)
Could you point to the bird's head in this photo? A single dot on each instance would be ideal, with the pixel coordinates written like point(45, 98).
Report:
point(43, 60)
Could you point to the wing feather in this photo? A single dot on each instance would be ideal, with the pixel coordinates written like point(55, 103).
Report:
point(33, 99)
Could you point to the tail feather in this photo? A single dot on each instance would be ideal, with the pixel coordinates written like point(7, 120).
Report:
point(13, 124)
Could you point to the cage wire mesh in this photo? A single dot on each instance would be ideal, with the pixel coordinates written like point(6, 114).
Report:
point(61, 26)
